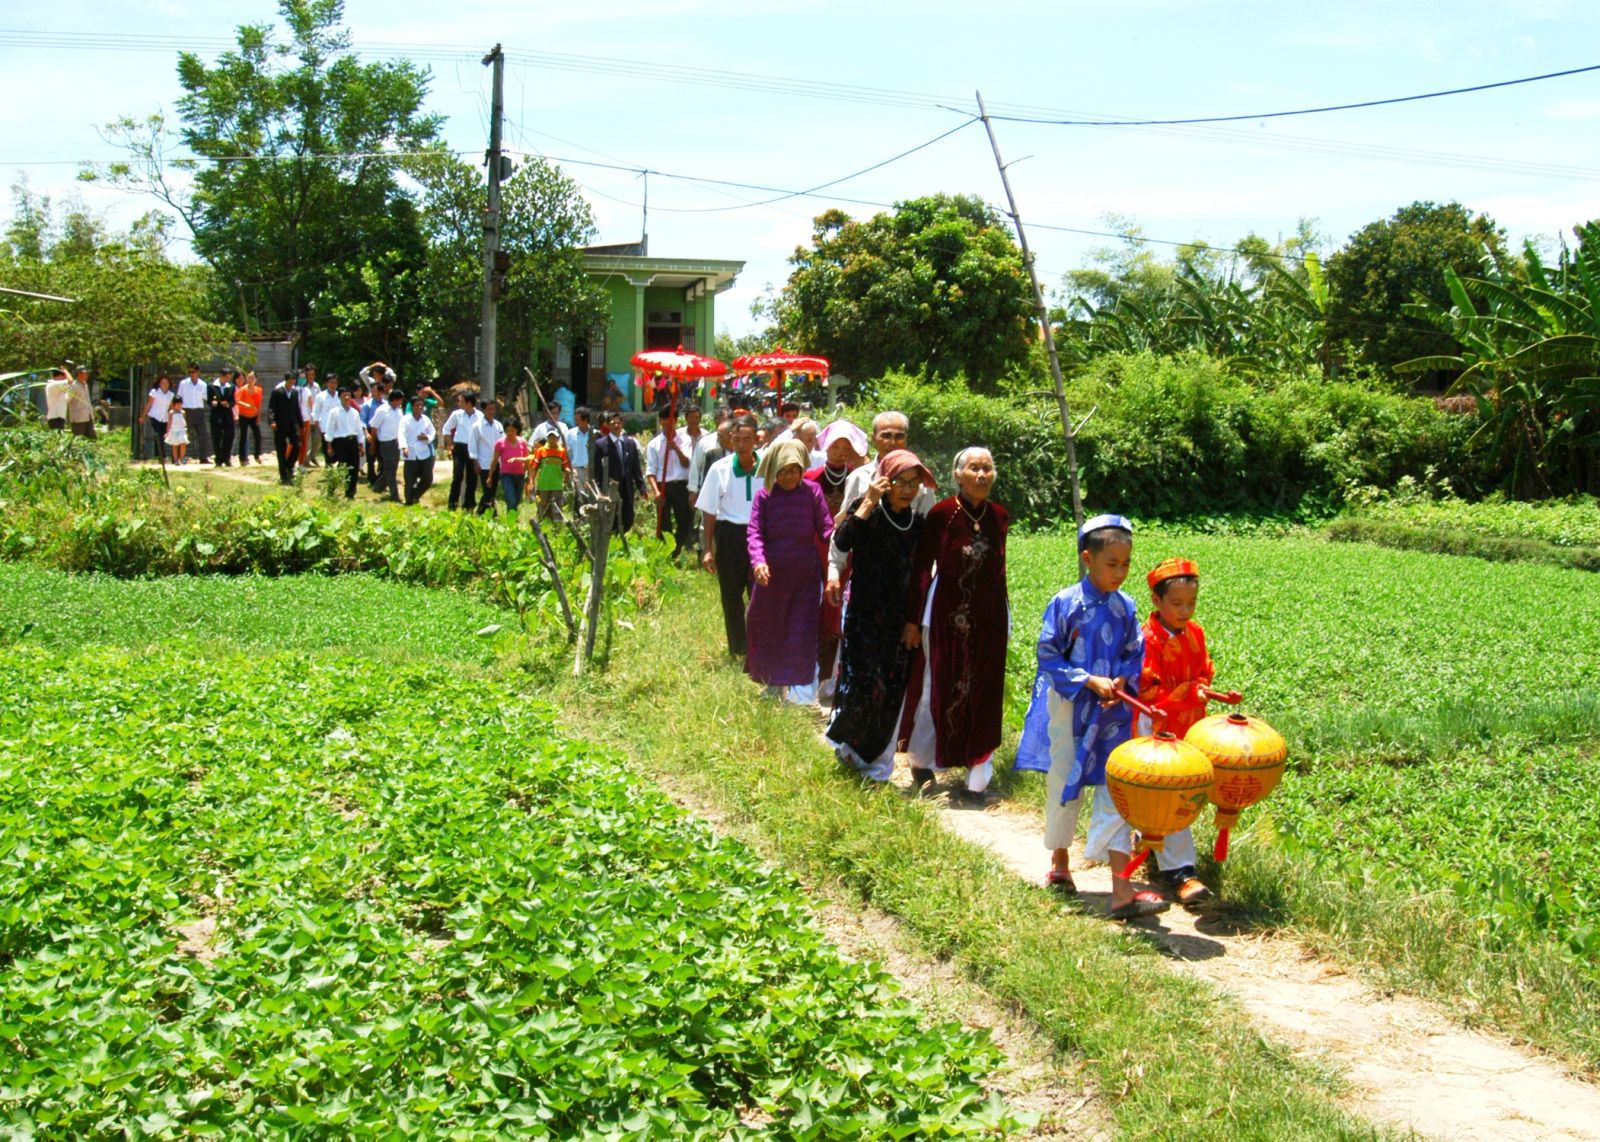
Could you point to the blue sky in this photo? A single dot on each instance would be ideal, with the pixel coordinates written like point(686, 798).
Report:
point(1496, 151)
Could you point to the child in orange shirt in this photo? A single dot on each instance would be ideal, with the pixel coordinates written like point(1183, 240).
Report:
point(1176, 667)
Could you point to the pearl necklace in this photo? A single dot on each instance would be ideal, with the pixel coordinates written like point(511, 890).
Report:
point(910, 518)
point(827, 474)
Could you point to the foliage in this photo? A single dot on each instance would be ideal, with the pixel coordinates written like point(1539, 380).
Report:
point(1258, 309)
point(1183, 436)
point(545, 222)
point(293, 192)
point(136, 528)
point(1387, 263)
point(1529, 356)
point(1458, 541)
point(1573, 522)
point(938, 286)
point(295, 905)
point(130, 305)
point(1410, 752)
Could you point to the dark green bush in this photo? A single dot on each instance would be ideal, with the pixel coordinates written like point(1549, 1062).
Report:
point(1458, 541)
point(1182, 437)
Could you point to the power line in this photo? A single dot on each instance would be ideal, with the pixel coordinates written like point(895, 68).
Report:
point(1303, 110)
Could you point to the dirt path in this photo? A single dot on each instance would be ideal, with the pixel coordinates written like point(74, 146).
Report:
point(1407, 1064)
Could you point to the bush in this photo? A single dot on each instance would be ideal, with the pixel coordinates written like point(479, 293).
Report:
point(1182, 437)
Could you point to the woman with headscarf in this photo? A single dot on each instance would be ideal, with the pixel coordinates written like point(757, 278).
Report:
point(787, 520)
point(880, 534)
point(957, 612)
point(844, 449)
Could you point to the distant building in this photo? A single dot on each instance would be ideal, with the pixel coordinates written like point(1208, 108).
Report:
point(655, 303)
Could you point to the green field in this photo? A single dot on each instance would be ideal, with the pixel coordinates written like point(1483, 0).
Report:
point(1442, 715)
point(253, 885)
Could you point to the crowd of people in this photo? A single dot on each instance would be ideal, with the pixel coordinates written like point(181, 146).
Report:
point(845, 581)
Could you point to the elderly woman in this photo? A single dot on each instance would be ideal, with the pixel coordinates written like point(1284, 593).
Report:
point(880, 533)
point(957, 613)
point(843, 449)
point(788, 520)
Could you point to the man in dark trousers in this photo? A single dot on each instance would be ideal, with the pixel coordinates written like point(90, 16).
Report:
point(617, 467)
point(219, 404)
point(283, 406)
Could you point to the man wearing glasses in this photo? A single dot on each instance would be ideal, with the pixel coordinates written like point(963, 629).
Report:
point(889, 434)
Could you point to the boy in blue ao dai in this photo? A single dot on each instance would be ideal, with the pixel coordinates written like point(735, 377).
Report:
point(1090, 645)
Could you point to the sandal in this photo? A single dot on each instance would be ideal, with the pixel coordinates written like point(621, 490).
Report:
point(1142, 904)
point(1192, 891)
point(1061, 881)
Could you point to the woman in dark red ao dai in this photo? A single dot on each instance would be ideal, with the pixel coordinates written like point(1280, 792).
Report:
point(958, 613)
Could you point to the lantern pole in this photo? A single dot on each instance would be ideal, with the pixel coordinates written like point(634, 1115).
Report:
point(1044, 318)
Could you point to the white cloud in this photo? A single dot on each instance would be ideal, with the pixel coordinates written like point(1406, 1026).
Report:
point(1573, 109)
point(1430, 50)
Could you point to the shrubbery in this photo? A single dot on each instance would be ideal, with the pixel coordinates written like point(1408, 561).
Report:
point(1181, 436)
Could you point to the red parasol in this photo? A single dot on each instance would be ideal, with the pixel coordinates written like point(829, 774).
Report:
point(679, 366)
point(778, 363)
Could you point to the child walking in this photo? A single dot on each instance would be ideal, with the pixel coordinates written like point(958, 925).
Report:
point(177, 437)
point(1090, 646)
point(1176, 668)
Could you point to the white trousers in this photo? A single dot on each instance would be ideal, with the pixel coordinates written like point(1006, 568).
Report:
point(1108, 832)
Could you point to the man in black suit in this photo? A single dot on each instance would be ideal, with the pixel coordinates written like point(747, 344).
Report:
point(616, 464)
point(284, 408)
point(220, 395)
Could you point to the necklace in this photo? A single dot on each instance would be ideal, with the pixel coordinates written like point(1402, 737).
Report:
point(827, 474)
point(983, 510)
point(910, 518)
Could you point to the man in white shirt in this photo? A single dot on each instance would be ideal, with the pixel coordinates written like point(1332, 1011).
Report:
point(711, 447)
point(384, 430)
point(666, 471)
point(323, 404)
point(726, 496)
point(485, 436)
point(80, 406)
point(346, 439)
point(579, 437)
point(416, 445)
point(457, 433)
point(889, 433)
point(55, 399)
point(192, 394)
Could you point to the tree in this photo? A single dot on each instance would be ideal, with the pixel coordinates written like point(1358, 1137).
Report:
point(937, 287)
point(548, 294)
point(294, 194)
point(1388, 263)
point(1530, 359)
point(131, 305)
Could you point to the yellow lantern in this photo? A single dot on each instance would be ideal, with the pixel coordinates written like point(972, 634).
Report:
point(1159, 785)
point(1249, 757)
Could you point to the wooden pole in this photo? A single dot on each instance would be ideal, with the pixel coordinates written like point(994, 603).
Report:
point(600, 543)
point(555, 577)
point(1044, 319)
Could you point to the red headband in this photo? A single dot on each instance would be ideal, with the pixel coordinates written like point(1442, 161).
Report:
point(1172, 569)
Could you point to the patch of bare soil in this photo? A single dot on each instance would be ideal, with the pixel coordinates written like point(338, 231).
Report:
point(1407, 1064)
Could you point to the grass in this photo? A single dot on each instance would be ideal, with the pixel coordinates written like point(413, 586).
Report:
point(247, 889)
point(1438, 821)
point(1569, 523)
point(1462, 541)
point(1171, 1057)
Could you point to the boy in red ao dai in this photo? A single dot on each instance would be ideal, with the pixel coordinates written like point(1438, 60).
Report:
point(1176, 669)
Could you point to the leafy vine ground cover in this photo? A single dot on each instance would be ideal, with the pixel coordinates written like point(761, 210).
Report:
point(1442, 712)
point(247, 893)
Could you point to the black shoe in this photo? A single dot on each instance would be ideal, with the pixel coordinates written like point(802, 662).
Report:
point(920, 778)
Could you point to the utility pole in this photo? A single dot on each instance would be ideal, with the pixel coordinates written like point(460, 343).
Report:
point(1067, 429)
point(493, 260)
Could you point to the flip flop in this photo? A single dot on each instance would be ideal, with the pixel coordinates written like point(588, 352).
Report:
point(1193, 892)
point(1061, 882)
point(1142, 904)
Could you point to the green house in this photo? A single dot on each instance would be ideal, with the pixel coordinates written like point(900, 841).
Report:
point(656, 303)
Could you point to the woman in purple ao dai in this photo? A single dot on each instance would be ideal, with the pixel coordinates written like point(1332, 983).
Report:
point(788, 519)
